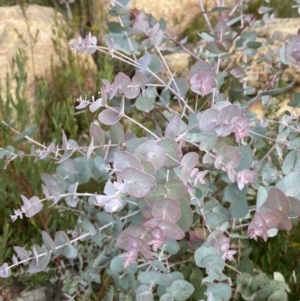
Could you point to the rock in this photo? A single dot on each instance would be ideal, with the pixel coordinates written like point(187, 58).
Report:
point(32, 30)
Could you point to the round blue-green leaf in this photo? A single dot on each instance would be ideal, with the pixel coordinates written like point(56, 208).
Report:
point(180, 290)
point(290, 184)
point(151, 277)
point(246, 159)
point(117, 264)
point(295, 208)
point(186, 215)
point(144, 293)
point(150, 151)
point(218, 291)
point(172, 246)
point(239, 209)
point(166, 297)
point(214, 219)
point(145, 104)
point(206, 256)
point(167, 209)
point(38, 264)
point(123, 159)
point(173, 151)
point(139, 182)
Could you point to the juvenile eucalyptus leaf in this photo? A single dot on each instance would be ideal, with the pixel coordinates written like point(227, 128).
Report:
point(144, 293)
point(48, 242)
point(208, 120)
point(156, 278)
point(110, 116)
point(22, 254)
point(123, 159)
point(29, 132)
point(145, 104)
point(173, 151)
point(171, 230)
point(64, 246)
point(167, 209)
point(139, 182)
point(152, 152)
point(277, 200)
point(39, 263)
point(31, 207)
point(182, 85)
point(180, 290)
point(186, 215)
point(295, 208)
point(290, 184)
point(5, 271)
point(218, 291)
point(97, 134)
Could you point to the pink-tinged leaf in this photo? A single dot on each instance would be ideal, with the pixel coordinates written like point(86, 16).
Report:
point(202, 78)
point(285, 223)
point(203, 83)
point(5, 271)
point(140, 80)
point(171, 230)
point(208, 120)
point(150, 151)
point(82, 104)
point(144, 249)
point(226, 114)
point(110, 116)
point(173, 152)
point(227, 158)
point(271, 218)
point(135, 232)
point(153, 222)
point(139, 182)
point(190, 160)
point(246, 176)
point(173, 127)
point(167, 209)
point(123, 159)
point(277, 200)
point(96, 105)
point(97, 133)
point(238, 72)
point(221, 27)
point(31, 207)
point(258, 227)
point(132, 91)
point(121, 82)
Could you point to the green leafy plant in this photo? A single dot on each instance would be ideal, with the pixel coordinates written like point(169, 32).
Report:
point(176, 203)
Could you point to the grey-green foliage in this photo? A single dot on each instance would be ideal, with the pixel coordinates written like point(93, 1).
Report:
point(157, 203)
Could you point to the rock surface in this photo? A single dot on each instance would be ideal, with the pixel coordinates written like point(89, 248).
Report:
point(32, 30)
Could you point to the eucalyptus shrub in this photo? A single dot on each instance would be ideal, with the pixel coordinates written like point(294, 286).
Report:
point(177, 200)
